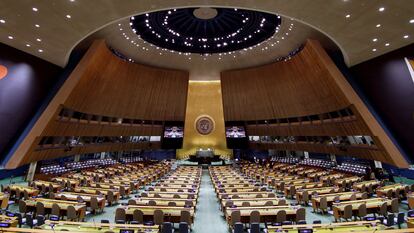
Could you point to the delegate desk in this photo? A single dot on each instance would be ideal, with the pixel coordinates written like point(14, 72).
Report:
point(390, 190)
point(245, 195)
point(330, 198)
point(266, 213)
point(97, 191)
point(171, 213)
point(112, 187)
point(69, 196)
point(253, 201)
point(92, 227)
point(364, 184)
point(79, 207)
point(14, 189)
point(49, 186)
point(312, 191)
point(358, 226)
point(373, 206)
point(164, 201)
point(170, 195)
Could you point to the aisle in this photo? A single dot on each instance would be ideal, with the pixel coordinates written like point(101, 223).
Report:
point(209, 218)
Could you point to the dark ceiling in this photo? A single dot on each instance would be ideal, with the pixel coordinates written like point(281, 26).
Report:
point(205, 30)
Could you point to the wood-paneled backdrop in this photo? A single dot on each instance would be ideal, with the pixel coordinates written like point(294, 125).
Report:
point(103, 84)
point(308, 84)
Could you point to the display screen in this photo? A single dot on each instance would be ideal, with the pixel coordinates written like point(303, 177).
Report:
point(235, 132)
point(173, 132)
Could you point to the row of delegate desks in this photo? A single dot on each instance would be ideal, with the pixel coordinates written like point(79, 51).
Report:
point(67, 191)
point(97, 227)
point(340, 191)
point(172, 194)
point(236, 197)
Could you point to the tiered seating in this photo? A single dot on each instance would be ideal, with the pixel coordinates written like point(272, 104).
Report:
point(247, 200)
point(344, 195)
point(53, 169)
point(171, 199)
point(72, 196)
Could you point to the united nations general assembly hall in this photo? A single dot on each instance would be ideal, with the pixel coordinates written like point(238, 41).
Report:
point(206, 116)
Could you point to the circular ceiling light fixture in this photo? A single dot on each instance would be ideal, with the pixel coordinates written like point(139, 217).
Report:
point(205, 30)
point(205, 13)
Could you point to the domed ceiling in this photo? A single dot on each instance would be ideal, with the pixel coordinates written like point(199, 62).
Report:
point(206, 41)
point(205, 30)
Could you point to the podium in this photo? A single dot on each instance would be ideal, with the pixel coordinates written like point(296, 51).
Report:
point(204, 157)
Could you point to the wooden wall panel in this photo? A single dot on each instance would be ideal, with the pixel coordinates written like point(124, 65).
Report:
point(116, 88)
point(298, 87)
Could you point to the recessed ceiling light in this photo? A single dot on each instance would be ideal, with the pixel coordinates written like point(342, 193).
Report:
point(406, 36)
point(40, 50)
point(38, 39)
point(347, 16)
point(68, 16)
point(10, 37)
point(381, 9)
point(71, 0)
point(27, 45)
point(2, 21)
point(374, 50)
point(37, 25)
point(387, 44)
point(378, 25)
point(34, 9)
point(411, 20)
point(375, 39)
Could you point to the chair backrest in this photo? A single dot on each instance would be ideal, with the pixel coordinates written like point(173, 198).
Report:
point(238, 228)
point(362, 210)
point(268, 203)
point(300, 214)
point(271, 195)
point(40, 208)
point(158, 217)
point(22, 207)
point(347, 212)
point(389, 193)
point(120, 214)
point(132, 202)
point(110, 196)
point(305, 196)
point(245, 204)
point(254, 227)
point(394, 205)
point(55, 209)
point(282, 202)
point(138, 216)
point(281, 216)
point(230, 203)
point(235, 196)
point(71, 213)
point(188, 203)
point(383, 209)
point(166, 227)
point(183, 227)
point(235, 217)
point(144, 194)
point(185, 216)
point(172, 203)
point(259, 196)
point(323, 203)
point(94, 203)
point(255, 217)
point(152, 203)
point(26, 195)
point(364, 196)
point(353, 197)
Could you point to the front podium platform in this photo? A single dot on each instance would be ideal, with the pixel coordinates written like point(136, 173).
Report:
point(204, 157)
